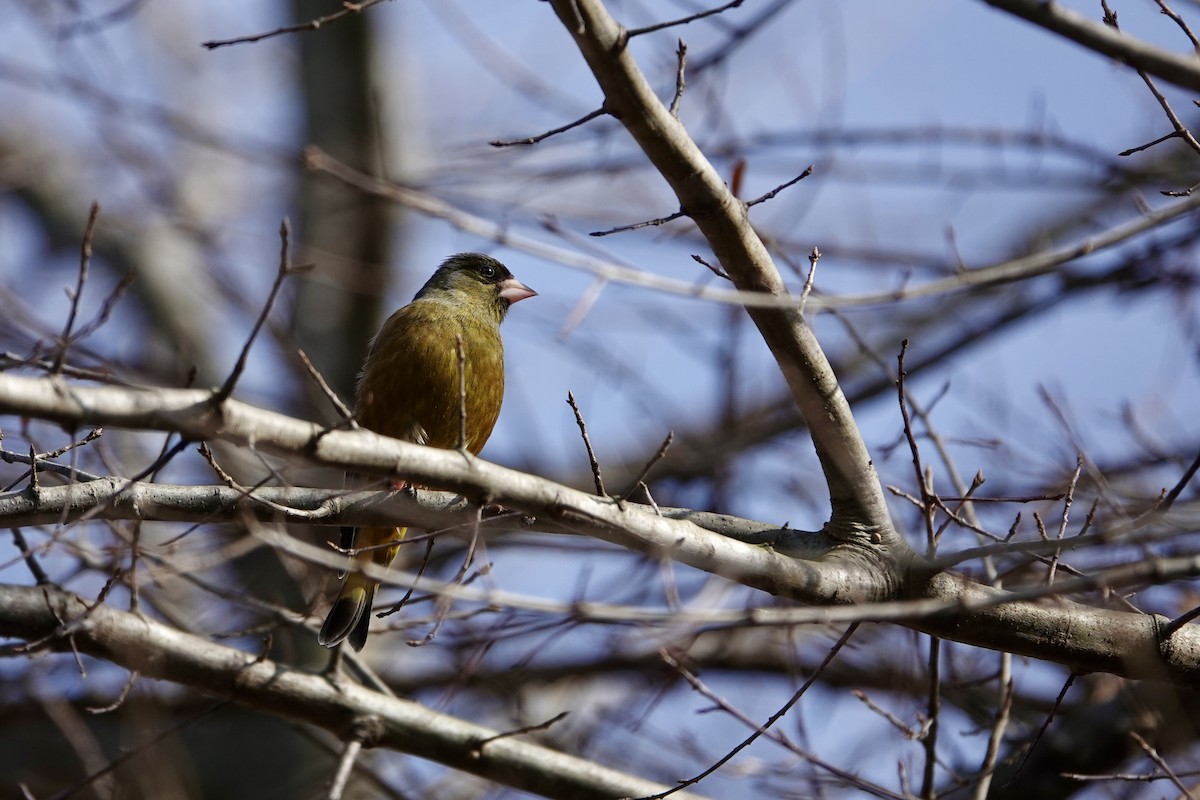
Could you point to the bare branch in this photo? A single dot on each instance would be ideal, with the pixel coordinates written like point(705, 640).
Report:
point(1178, 488)
point(715, 268)
point(764, 198)
point(858, 505)
point(332, 396)
point(1086, 639)
point(348, 8)
point(1183, 71)
point(681, 55)
point(765, 728)
point(650, 223)
point(85, 258)
point(933, 709)
point(684, 20)
point(1181, 131)
point(813, 258)
point(587, 443)
point(1000, 273)
point(654, 459)
point(1178, 20)
point(281, 273)
point(599, 112)
point(157, 651)
point(1161, 763)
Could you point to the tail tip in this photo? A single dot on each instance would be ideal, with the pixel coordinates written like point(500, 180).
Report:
point(348, 620)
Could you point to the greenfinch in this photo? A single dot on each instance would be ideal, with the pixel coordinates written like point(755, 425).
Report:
point(409, 389)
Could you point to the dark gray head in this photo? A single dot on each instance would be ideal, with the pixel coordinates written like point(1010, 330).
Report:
point(474, 277)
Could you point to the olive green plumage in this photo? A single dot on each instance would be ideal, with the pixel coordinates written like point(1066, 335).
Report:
point(409, 389)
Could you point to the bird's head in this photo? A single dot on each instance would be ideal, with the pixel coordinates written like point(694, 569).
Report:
point(478, 280)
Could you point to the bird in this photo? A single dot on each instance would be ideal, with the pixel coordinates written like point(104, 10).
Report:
point(409, 388)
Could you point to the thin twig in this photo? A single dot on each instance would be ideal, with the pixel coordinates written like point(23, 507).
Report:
point(33, 471)
point(650, 223)
point(681, 54)
point(807, 171)
point(1173, 495)
point(106, 307)
point(416, 579)
point(327, 390)
point(1180, 128)
point(1166, 10)
point(461, 353)
point(166, 453)
point(284, 270)
point(588, 117)
point(1110, 19)
point(447, 600)
point(654, 459)
point(650, 499)
point(1148, 145)
point(961, 513)
point(90, 437)
point(1161, 763)
point(933, 707)
point(85, 258)
point(926, 498)
point(207, 454)
point(738, 34)
point(1062, 527)
point(1045, 725)
point(759, 730)
point(312, 25)
point(345, 766)
point(120, 701)
point(95, 24)
point(541, 726)
point(39, 575)
point(895, 721)
point(587, 443)
point(716, 268)
point(1170, 628)
point(140, 750)
point(250, 492)
point(587, 302)
point(683, 21)
point(1125, 776)
point(813, 258)
point(988, 768)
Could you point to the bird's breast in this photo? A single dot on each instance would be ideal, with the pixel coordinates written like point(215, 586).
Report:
point(414, 386)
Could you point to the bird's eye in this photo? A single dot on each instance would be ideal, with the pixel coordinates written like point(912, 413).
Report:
point(487, 271)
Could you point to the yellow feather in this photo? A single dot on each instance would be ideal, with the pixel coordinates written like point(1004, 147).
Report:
point(409, 389)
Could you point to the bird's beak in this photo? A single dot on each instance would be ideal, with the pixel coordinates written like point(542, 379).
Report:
point(513, 290)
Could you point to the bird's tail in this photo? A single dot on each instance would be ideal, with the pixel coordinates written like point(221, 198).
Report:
point(350, 616)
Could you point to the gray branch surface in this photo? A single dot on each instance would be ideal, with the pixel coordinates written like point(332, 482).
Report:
point(858, 506)
point(809, 567)
point(54, 619)
point(192, 413)
point(1181, 70)
point(858, 568)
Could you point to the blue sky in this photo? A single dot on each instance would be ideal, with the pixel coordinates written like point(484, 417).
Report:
point(843, 68)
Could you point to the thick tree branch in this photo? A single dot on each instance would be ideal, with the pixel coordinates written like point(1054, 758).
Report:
point(1087, 639)
point(838, 578)
point(1181, 70)
point(123, 499)
point(59, 620)
point(859, 510)
point(1029, 623)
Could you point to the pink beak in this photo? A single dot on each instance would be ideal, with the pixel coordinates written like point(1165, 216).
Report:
point(513, 290)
